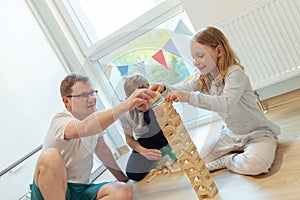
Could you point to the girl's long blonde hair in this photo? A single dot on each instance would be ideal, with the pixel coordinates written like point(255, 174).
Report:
point(213, 37)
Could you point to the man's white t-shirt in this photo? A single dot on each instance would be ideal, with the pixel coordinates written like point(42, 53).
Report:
point(77, 153)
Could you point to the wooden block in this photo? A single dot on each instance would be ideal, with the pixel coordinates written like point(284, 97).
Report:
point(176, 171)
point(153, 174)
point(168, 165)
point(152, 177)
point(171, 170)
point(156, 98)
point(188, 158)
point(165, 171)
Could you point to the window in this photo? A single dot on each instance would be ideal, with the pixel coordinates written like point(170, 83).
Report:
point(160, 54)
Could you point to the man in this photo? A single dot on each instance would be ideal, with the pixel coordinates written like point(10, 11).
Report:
point(64, 167)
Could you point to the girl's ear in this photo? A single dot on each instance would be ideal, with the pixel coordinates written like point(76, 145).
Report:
point(219, 51)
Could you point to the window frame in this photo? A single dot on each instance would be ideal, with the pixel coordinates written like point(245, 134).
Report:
point(132, 30)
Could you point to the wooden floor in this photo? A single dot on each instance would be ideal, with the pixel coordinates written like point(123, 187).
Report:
point(283, 181)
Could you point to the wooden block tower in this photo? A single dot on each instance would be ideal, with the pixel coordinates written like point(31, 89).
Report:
point(185, 150)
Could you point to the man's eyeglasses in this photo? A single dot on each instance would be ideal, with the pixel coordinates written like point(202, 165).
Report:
point(85, 95)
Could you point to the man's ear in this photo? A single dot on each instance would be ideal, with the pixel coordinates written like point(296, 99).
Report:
point(65, 101)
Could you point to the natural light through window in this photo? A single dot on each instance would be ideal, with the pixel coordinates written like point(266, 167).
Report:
point(108, 17)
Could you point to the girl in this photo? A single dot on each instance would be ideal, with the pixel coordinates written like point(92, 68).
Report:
point(248, 140)
point(142, 134)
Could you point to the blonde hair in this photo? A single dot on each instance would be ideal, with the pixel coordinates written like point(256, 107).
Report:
point(213, 37)
point(135, 82)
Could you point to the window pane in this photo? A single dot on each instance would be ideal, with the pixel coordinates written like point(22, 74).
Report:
point(161, 55)
point(107, 17)
point(170, 41)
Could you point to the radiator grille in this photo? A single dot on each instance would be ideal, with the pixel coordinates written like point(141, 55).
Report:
point(266, 37)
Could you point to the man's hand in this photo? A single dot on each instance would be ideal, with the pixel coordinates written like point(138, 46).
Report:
point(178, 96)
point(158, 87)
point(140, 97)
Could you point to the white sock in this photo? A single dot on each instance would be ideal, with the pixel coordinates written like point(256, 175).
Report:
point(217, 164)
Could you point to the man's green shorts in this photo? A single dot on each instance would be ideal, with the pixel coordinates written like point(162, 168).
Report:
point(75, 191)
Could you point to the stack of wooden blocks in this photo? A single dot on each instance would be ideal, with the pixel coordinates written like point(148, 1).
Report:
point(185, 150)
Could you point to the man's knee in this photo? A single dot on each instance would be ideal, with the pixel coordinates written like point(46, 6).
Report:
point(116, 190)
point(50, 172)
point(51, 154)
point(124, 192)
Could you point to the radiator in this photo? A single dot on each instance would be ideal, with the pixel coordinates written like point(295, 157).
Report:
point(266, 38)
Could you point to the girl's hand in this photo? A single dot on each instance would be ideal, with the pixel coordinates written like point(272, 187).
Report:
point(178, 96)
point(152, 154)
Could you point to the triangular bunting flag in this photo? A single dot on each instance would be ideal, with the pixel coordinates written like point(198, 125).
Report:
point(107, 70)
point(181, 43)
point(170, 47)
point(159, 57)
point(182, 29)
point(142, 68)
point(123, 69)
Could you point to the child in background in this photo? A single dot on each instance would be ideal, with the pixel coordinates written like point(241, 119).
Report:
point(143, 134)
point(248, 140)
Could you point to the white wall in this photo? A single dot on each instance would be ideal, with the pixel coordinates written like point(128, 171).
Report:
point(30, 74)
point(203, 13)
